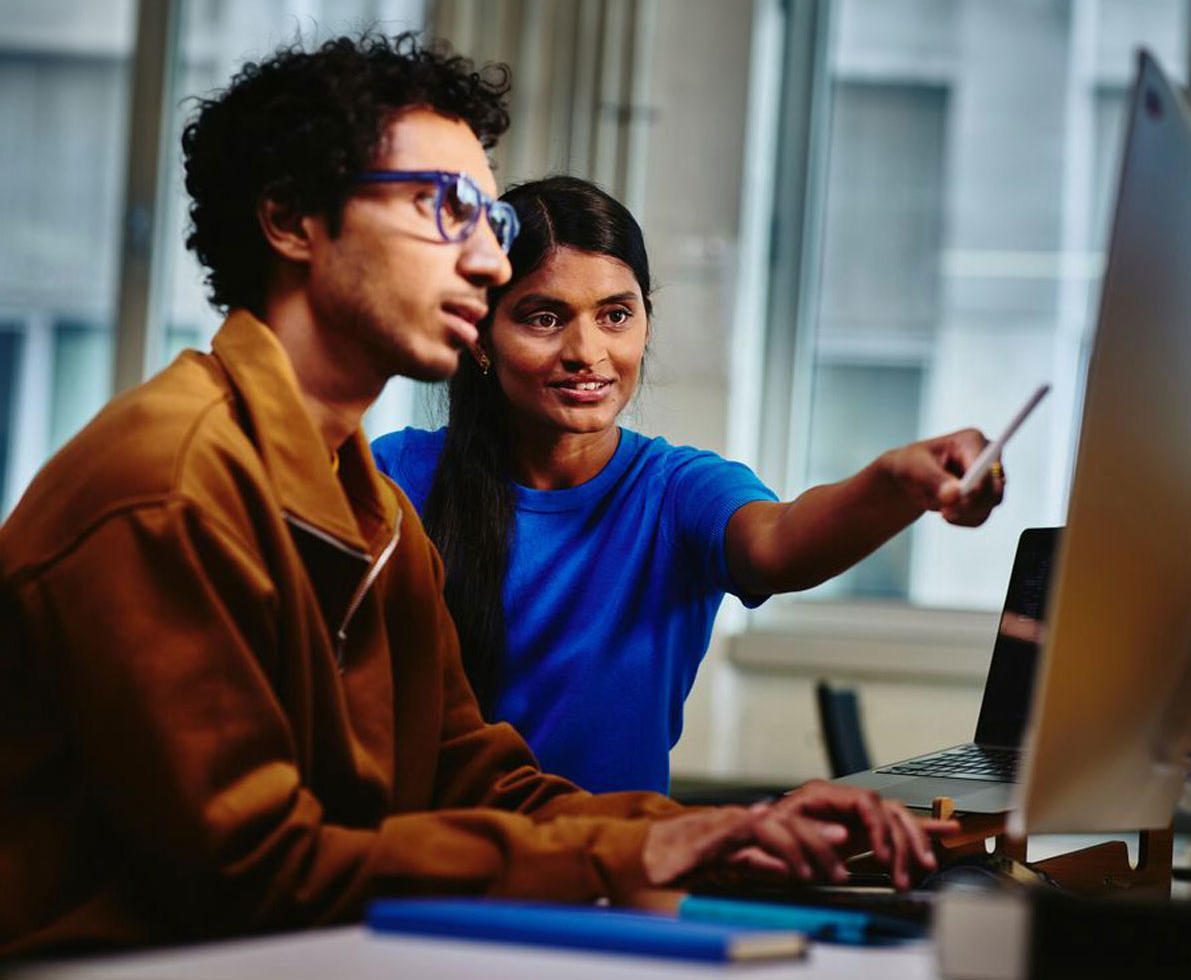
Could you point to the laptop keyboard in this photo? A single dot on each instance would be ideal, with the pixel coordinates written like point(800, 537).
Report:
point(962, 762)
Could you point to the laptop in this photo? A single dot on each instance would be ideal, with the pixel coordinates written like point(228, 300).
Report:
point(979, 775)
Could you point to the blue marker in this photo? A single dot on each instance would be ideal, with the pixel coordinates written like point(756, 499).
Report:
point(849, 926)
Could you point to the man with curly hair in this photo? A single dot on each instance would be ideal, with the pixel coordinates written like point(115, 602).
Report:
point(231, 697)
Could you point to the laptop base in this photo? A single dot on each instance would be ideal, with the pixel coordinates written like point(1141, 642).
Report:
point(970, 795)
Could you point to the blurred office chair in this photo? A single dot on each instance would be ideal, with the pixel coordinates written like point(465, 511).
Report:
point(839, 721)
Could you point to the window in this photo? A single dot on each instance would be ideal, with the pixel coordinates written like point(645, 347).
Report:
point(860, 408)
point(879, 302)
point(215, 39)
point(948, 254)
point(65, 91)
point(81, 378)
point(885, 194)
point(64, 87)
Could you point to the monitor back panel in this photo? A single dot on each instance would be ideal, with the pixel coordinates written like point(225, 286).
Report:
point(1097, 753)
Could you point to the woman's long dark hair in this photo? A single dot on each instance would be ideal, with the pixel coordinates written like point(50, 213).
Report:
point(469, 511)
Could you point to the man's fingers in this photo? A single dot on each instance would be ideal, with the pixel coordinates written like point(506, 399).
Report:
point(757, 860)
point(899, 867)
point(859, 808)
point(917, 835)
point(808, 845)
point(898, 839)
point(876, 826)
point(819, 842)
point(770, 838)
point(778, 839)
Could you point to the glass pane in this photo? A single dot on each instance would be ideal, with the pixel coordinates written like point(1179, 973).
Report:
point(884, 213)
point(11, 341)
point(82, 377)
point(859, 411)
point(971, 162)
point(64, 77)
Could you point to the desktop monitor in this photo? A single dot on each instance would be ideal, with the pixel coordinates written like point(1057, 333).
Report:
point(1111, 717)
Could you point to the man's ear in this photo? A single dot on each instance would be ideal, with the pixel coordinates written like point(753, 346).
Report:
point(286, 229)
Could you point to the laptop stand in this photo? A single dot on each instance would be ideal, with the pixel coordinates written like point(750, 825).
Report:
point(1099, 870)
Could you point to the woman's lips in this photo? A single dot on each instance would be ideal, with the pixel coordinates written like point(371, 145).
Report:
point(583, 391)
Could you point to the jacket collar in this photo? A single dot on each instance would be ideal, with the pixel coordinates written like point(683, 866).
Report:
point(358, 508)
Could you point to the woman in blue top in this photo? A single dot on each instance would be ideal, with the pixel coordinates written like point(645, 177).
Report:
point(585, 562)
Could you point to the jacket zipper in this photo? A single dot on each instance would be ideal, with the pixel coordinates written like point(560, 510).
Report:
point(362, 589)
point(330, 539)
point(375, 568)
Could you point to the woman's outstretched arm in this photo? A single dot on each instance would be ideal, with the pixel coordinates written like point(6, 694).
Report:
point(785, 547)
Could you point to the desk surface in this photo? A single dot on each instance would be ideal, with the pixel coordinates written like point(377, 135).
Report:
point(353, 952)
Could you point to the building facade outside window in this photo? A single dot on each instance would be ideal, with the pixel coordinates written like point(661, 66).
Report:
point(966, 164)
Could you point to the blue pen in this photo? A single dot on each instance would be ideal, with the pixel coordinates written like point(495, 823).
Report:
point(849, 926)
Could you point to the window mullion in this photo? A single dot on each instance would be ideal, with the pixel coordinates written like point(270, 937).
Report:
point(138, 316)
point(794, 251)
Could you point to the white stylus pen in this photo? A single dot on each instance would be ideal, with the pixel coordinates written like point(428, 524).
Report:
point(992, 451)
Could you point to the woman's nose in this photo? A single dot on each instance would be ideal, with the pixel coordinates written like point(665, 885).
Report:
point(582, 345)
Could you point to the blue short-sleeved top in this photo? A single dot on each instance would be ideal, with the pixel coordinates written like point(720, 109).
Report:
point(611, 591)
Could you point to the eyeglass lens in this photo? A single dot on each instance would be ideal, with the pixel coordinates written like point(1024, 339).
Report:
point(503, 220)
point(461, 203)
point(459, 207)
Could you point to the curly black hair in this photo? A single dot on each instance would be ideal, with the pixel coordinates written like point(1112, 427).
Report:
point(295, 127)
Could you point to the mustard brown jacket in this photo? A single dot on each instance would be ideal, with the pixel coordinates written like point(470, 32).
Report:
point(231, 697)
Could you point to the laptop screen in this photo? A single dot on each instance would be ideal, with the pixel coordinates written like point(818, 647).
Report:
point(1010, 680)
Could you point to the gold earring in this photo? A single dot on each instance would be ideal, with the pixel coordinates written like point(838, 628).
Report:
point(483, 361)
